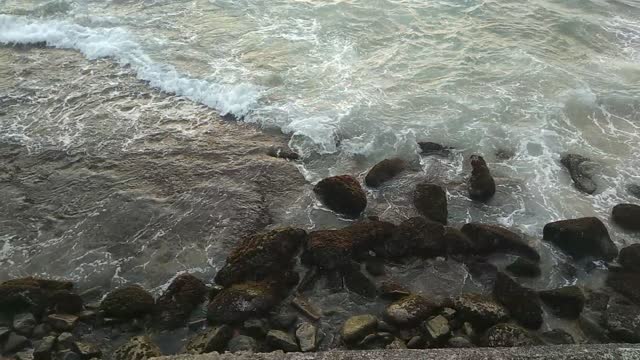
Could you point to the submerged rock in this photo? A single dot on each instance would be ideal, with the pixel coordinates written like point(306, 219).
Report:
point(493, 238)
point(409, 310)
point(138, 348)
point(261, 256)
point(431, 148)
point(623, 322)
point(214, 339)
point(417, 236)
point(479, 310)
point(175, 305)
point(384, 171)
point(282, 152)
point(578, 167)
point(523, 303)
point(508, 335)
point(581, 238)
point(629, 258)
point(126, 302)
point(627, 216)
point(342, 194)
point(431, 201)
point(565, 302)
point(242, 301)
point(357, 327)
point(329, 249)
point(482, 187)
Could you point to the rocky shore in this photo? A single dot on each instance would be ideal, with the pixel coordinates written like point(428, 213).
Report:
point(257, 302)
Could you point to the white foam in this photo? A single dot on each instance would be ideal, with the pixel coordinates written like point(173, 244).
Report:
point(117, 43)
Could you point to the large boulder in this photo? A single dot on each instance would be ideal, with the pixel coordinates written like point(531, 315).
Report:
point(138, 348)
point(409, 311)
point(126, 302)
point(342, 194)
point(175, 305)
point(329, 249)
point(524, 267)
point(261, 256)
point(417, 236)
point(523, 303)
point(431, 201)
point(622, 321)
point(369, 234)
point(493, 238)
point(482, 187)
point(579, 169)
point(508, 335)
point(582, 237)
point(479, 310)
point(627, 216)
point(30, 294)
point(242, 301)
point(565, 302)
point(384, 171)
point(629, 258)
point(456, 242)
point(626, 283)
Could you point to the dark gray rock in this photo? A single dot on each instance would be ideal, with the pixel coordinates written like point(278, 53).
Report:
point(508, 335)
point(280, 340)
point(627, 216)
point(523, 303)
point(138, 348)
point(44, 349)
point(41, 330)
point(342, 194)
point(284, 319)
point(255, 327)
point(581, 238)
point(242, 343)
point(15, 343)
point(580, 170)
point(629, 258)
point(214, 339)
point(384, 171)
point(62, 322)
point(565, 302)
point(431, 148)
point(622, 321)
point(375, 341)
point(459, 342)
point(68, 355)
point(375, 266)
point(431, 201)
point(87, 350)
point(396, 344)
point(357, 327)
point(488, 239)
point(480, 310)
point(626, 283)
point(24, 324)
point(65, 341)
point(524, 267)
point(241, 302)
point(557, 337)
point(417, 236)
point(307, 335)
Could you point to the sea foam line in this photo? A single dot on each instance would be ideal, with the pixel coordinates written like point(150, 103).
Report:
point(117, 43)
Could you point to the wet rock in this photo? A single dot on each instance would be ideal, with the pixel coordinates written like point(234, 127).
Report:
point(375, 341)
point(523, 303)
point(342, 194)
point(459, 342)
point(482, 271)
point(28, 294)
point(480, 310)
point(437, 329)
point(410, 310)
point(15, 343)
point(596, 300)
point(87, 351)
point(592, 327)
point(392, 290)
point(357, 327)
point(505, 154)
point(242, 343)
point(25, 355)
point(431, 201)
point(255, 327)
point(242, 301)
point(557, 337)
point(282, 152)
point(44, 349)
point(68, 355)
point(24, 324)
point(214, 339)
point(307, 336)
point(627, 216)
point(626, 283)
point(581, 238)
point(565, 302)
point(482, 187)
point(396, 344)
point(622, 322)
point(508, 335)
point(578, 167)
point(629, 258)
point(127, 302)
point(416, 342)
point(356, 281)
point(213, 291)
point(138, 348)
point(493, 238)
point(375, 266)
point(284, 319)
point(456, 242)
point(261, 256)
point(4, 333)
point(280, 340)
point(62, 322)
point(66, 302)
point(178, 301)
point(384, 171)
point(306, 308)
point(65, 341)
point(431, 148)
point(524, 267)
point(368, 234)
point(417, 236)
point(40, 331)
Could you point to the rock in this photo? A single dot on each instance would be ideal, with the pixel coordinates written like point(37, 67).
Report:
point(629, 258)
point(623, 322)
point(459, 342)
point(40, 331)
point(62, 322)
point(375, 341)
point(482, 271)
point(214, 339)
point(214, 290)
point(581, 238)
point(508, 335)
point(431, 148)
point(417, 236)
point(456, 242)
point(356, 281)
point(282, 152)
point(87, 351)
point(138, 348)
point(284, 319)
point(44, 350)
point(409, 311)
point(596, 300)
point(504, 154)
point(242, 301)
point(178, 301)
point(375, 266)
point(68, 355)
point(307, 336)
point(261, 256)
point(26, 295)
point(482, 187)
point(4, 333)
point(396, 344)
point(15, 343)
point(468, 330)
point(627, 216)
point(437, 329)
point(369, 234)
point(65, 341)
point(384, 171)
point(329, 249)
point(431, 201)
point(242, 343)
point(565, 302)
point(357, 327)
point(493, 238)
point(578, 167)
point(524, 267)
point(66, 302)
point(480, 310)
point(126, 302)
point(280, 340)
point(416, 342)
point(392, 290)
point(523, 303)
point(255, 327)
point(342, 194)
point(626, 283)
point(24, 324)
point(25, 355)
point(557, 337)
point(306, 308)
point(88, 316)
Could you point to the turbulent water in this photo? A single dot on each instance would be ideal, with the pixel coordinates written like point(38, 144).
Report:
point(120, 170)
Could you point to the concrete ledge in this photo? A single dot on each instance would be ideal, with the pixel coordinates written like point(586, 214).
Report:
point(564, 352)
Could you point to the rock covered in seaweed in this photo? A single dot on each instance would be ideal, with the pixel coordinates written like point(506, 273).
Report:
point(431, 201)
point(175, 305)
point(493, 238)
point(582, 237)
point(508, 335)
point(138, 348)
point(213, 339)
point(579, 169)
point(30, 294)
point(417, 236)
point(126, 302)
point(479, 310)
point(627, 216)
point(243, 301)
point(410, 310)
point(342, 194)
point(482, 187)
point(523, 303)
point(384, 171)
